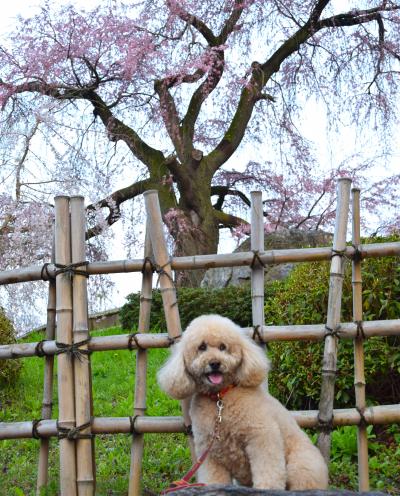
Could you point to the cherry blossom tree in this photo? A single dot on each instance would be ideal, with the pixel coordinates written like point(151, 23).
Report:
point(166, 94)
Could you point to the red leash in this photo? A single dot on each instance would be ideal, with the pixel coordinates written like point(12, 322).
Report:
point(185, 481)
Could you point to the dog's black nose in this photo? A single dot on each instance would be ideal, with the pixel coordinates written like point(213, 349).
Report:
point(215, 365)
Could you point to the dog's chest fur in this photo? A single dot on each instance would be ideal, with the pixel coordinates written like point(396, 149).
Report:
point(229, 449)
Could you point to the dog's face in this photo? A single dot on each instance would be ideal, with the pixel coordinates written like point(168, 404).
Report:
point(212, 354)
point(212, 358)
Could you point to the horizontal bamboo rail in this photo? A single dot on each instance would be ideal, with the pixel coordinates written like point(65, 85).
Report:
point(316, 332)
point(38, 273)
point(373, 415)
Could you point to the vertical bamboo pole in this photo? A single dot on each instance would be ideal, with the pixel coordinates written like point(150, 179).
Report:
point(329, 363)
point(83, 393)
point(141, 371)
point(257, 245)
point(359, 376)
point(167, 287)
point(66, 400)
point(47, 403)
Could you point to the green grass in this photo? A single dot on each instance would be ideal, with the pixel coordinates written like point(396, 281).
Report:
point(166, 455)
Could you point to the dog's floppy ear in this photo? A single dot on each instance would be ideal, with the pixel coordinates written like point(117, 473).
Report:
point(173, 377)
point(255, 365)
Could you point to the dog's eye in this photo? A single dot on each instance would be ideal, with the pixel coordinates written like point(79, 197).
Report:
point(202, 347)
point(222, 347)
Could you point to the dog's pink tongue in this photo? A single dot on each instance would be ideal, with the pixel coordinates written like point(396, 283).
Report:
point(215, 378)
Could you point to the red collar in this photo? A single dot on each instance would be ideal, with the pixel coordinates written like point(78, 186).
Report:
point(220, 394)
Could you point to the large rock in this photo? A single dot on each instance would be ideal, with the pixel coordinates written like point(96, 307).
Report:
point(279, 240)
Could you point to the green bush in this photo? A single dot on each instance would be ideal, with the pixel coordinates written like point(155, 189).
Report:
point(303, 299)
point(8, 368)
point(232, 302)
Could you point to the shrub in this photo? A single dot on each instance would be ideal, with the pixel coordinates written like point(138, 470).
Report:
point(302, 299)
point(232, 302)
point(8, 368)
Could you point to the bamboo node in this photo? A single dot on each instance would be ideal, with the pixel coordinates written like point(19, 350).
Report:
point(257, 334)
point(360, 330)
point(332, 332)
point(330, 372)
point(143, 298)
point(74, 349)
point(256, 259)
point(35, 432)
point(71, 269)
point(45, 274)
point(134, 337)
point(39, 351)
point(74, 432)
point(337, 274)
point(363, 421)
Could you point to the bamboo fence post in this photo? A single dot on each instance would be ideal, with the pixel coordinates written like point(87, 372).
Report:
point(167, 286)
point(47, 403)
point(65, 375)
point(257, 268)
point(82, 369)
point(329, 363)
point(359, 375)
point(141, 370)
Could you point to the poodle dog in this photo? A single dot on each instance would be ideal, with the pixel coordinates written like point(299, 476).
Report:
point(258, 443)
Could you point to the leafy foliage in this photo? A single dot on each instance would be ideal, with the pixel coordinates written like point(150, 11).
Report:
point(8, 368)
point(303, 299)
point(231, 302)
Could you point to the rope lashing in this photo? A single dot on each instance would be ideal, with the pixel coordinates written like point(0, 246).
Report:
point(133, 338)
point(35, 432)
point(358, 255)
point(256, 259)
point(39, 351)
point(45, 275)
point(325, 425)
point(148, 261)
point(71, 269)
point(332, 332)
point(132, 428)
point(74, 432)
point(363, 421)
point(360, 330)
point(257, 334)
point(173, 340)
point(338, 253)
point(74, 349)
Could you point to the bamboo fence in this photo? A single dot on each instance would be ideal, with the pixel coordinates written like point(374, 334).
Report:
point(67, 276)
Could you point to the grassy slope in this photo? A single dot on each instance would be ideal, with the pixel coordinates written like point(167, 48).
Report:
point(166, 456)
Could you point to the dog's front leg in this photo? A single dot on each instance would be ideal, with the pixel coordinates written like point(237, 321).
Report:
point(267, 462)
point(211, 472)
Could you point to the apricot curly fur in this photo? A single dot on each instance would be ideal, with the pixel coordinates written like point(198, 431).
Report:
point(260, 443)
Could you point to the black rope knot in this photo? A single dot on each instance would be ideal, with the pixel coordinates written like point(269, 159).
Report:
point(338, 253)
point(325, 425)
point(173, 340)
point(45, 274)
point(149, 261)
point(74, 349)
point(132, 421)
point(332, 332)
point(133, 338)
point(360, 330)
point(35, 432)
point(71, 269)
point(256, 259)
point(39, 351)
point(189, 430)
point(357, 256)
point(257, 333)
point(363, 421)
point(74, 432)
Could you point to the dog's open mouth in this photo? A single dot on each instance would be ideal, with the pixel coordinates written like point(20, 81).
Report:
point(215, 378)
